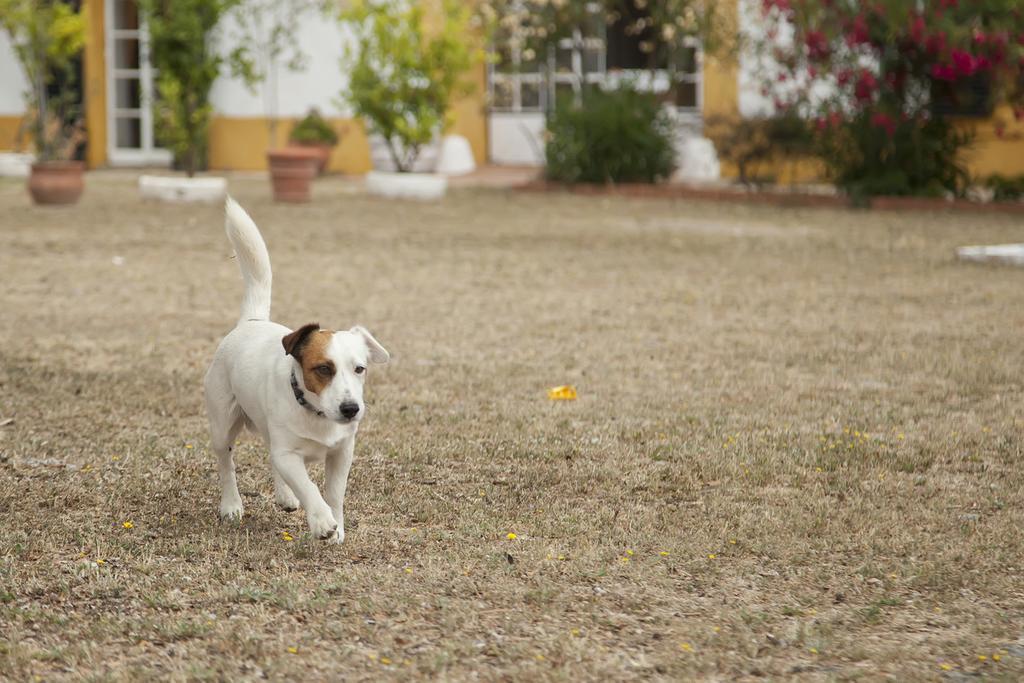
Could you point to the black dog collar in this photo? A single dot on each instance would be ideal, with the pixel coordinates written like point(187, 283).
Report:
point(300, 397)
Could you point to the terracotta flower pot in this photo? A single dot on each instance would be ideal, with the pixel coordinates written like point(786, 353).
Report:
point(323, 149)
point(292, 170)
point(56, 182)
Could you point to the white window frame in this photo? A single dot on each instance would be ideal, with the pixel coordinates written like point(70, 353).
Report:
point(148, 153)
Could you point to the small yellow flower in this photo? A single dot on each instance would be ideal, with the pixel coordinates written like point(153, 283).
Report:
point(712, 556)
point(817, 469)
point(101, 561)
point(189, 446)
point(664, 553)
point(732, 541)
point(685, 647)
point(511, 536)
point(814, 650)
point(630, 553)
point(996, 658)
point(982, 658)
point(562, 393)
point(408, 570)
point(575, 632)
point(128, 524)
point(293, 650)
point(285, 536)
point(116, 458)
point(385, 661)
point(945, 667)
point(624, 560)
point(561, 557)
point(716, 629)
point(539, 658)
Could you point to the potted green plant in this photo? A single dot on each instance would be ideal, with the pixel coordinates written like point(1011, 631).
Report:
point(403, 79)
point(266, 40)
point(46, 37)
point(314, 132)
point(184, 55)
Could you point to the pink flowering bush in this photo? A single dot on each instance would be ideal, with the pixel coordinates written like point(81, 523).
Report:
point(880, 79)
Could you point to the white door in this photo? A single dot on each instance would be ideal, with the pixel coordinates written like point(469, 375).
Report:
point(129, 89)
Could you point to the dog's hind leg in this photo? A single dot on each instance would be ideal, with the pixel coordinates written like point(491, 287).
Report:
point(226, 421)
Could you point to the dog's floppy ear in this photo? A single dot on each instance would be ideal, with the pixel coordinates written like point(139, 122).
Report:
point(293, 342)
point(378, 354)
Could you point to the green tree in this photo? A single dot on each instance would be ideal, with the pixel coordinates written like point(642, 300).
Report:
point(404, 75)
point(46, 37)
point(183, 51)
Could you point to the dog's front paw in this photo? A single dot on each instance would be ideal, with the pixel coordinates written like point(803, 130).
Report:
point(323, 525)
point(231, 510)
point(339, 536)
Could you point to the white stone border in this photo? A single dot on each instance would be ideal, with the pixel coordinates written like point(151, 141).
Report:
point(15, 165)
point(1010, 254)
point(182, 189)
point(424, 186)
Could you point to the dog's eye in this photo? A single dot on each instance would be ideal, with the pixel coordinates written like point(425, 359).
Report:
point(324, 370)
point(360, 369)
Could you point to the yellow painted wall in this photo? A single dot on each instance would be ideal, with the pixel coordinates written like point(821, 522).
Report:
point(9, 126)
point(95, 91)
point(242, 143)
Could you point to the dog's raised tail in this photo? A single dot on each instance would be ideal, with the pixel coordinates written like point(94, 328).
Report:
point(253, 261)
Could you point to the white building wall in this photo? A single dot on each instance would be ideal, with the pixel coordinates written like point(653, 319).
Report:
point(12, 80)
point(319, 84)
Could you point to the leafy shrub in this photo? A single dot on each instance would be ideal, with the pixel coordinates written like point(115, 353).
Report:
point(313, 129)
point(911, 158)
point(46, 38)
point(1006, 189)
point(404, 76)
point(617, 136)
point(183, 54)
point(881, 78)
point(750, 142)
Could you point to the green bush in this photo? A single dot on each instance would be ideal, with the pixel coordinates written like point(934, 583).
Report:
point(405, 71)
point(184, 55)
point(751, 142)
point(922, 158)
point(313, 129)
point(618, 136)
point(46, 38)
point(1006, 189)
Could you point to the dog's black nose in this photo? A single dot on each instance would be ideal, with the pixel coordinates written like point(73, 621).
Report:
point(349, 409)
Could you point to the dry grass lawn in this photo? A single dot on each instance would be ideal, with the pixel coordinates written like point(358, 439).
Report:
point(796, 451)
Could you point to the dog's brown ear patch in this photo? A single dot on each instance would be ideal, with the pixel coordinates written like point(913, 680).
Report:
point(293, 342)
point(317, 369)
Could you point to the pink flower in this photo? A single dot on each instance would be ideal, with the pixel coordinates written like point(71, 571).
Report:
point(843, 77)
point(942, 72)
point(866, 85)
point(936, 43)
point(884, 121)
point(858, 33)
point(917, 29)
point(817, 45)
point(963, 63)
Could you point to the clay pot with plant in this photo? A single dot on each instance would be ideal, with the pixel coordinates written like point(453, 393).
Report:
point(46, 38)
point(314, 132)
point(266, 31)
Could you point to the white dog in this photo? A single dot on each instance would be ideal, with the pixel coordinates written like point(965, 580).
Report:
point(302, 390)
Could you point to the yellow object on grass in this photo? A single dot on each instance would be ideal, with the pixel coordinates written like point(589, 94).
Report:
point(562, 393)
